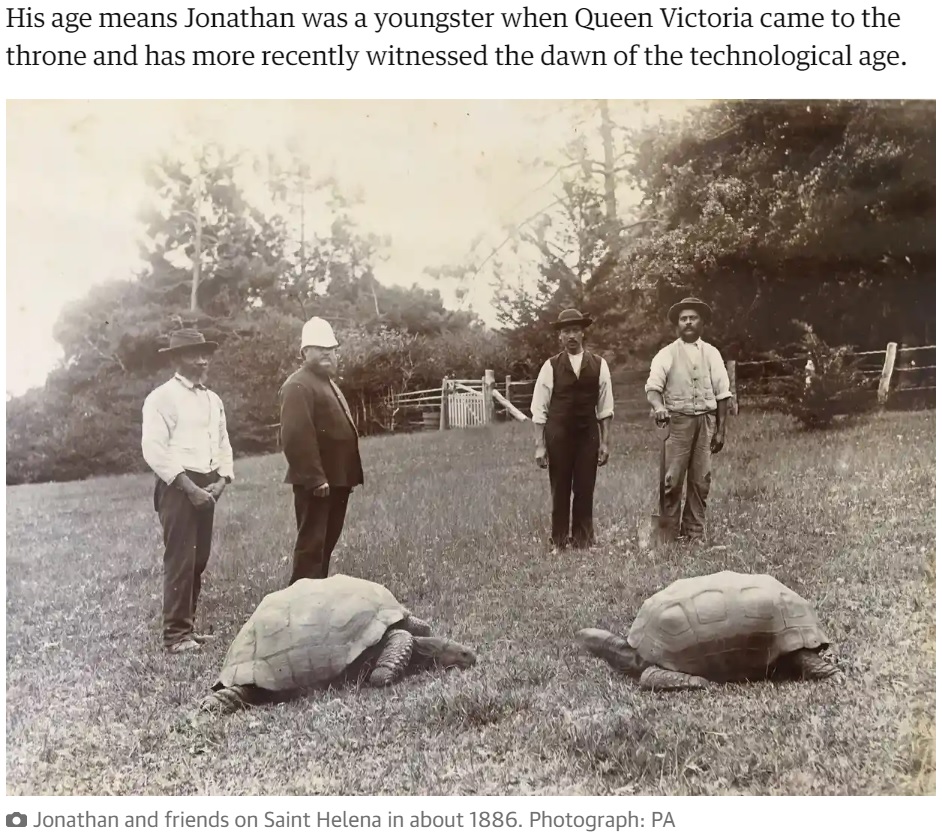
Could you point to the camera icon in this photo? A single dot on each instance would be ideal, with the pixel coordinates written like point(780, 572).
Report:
point(16, 820)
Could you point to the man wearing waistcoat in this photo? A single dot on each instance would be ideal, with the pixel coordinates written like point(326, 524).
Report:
point(572, 409)
point(320, 442)
point(185, 442)
point(688, 384)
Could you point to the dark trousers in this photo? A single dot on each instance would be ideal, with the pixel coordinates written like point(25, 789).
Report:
point(320, 522)
point(573, 455)
point(188, 536)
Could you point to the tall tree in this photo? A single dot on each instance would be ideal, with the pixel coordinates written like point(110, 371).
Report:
point(820, 211)
point(329, 260)
point(562, 255)
point(208, 247)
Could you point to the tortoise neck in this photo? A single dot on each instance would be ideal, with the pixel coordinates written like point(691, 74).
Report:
point(632, 662)
point(425, 646)
point(622, 657)
point(426, 651)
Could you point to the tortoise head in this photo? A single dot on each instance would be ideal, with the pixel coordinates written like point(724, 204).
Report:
point(614, 650)
point(444, 653)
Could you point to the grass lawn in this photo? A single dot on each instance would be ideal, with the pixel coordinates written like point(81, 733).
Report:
point(455, 525)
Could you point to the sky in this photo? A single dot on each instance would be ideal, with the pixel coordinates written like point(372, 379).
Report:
point(434, 175)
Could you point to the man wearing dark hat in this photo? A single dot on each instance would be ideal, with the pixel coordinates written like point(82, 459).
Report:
point(321, 445)
point(572, 409)
point(185, 442)
point(688, 385)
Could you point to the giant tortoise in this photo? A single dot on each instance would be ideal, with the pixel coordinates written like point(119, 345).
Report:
point(311, 633)
point(722, 627)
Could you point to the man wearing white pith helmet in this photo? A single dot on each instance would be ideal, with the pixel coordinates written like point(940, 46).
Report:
point(320, 441)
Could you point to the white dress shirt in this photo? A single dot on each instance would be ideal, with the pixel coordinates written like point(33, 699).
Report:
point(184, 429)
point(543, 390)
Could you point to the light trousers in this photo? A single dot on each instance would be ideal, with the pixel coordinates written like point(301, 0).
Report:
point(689, 458)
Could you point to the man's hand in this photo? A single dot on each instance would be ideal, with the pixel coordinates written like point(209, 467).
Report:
point(217, 488)
point(322, 490)
point(201, 498)
point(603, 453)
point(716, 444)
point(661, 415)
point(541, 459)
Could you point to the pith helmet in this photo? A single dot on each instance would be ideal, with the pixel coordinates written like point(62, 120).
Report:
point(317, 332)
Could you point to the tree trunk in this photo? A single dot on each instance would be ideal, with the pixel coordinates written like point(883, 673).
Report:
point(608, 144)
point(198, 243)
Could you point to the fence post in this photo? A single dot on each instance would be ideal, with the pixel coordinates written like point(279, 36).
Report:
point(734, 401)
point(487, 390)
point(443, 418)
point(889, 363)
point(507, 387)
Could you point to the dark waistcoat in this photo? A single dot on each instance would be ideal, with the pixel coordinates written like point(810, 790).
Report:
point(574, 400)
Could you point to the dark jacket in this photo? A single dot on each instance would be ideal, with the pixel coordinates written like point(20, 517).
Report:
point(575, 400)
point(318, 438)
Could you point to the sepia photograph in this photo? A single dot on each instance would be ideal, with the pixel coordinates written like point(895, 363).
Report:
point(471, 448)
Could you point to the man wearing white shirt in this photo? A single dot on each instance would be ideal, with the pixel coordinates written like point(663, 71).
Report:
point(689, 386)
point(572, 409)
point(185, 442)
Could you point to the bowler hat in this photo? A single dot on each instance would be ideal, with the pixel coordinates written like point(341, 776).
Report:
point(698, 305)
point(186, 339)
point(572, 317)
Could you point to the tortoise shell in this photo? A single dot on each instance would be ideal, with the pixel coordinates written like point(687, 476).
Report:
point(307, 634)
point(725, 626)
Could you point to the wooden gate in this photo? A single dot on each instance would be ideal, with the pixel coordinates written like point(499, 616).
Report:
point(459, 402)
point(466, 409)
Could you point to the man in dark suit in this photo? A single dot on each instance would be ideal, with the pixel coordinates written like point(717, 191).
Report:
point(572, 410)
point(320, 442)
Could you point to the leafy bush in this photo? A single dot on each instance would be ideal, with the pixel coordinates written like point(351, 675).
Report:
point(377, 364)
point(65, 432)
point(464, 354)
point(86, 420)
point(831, 383)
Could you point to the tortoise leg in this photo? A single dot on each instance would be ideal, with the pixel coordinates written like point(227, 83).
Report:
point(393, 659)
point(416, 627)
point(662, 679)
point(809, 665)
point(232, 699)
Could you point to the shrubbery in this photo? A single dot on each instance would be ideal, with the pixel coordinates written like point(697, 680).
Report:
point(87, 422)
point(832, 384)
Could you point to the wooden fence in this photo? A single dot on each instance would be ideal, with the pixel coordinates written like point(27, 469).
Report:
point(463, 402)
point(898, 377)
point(901, 376)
